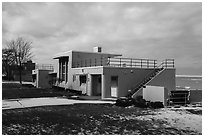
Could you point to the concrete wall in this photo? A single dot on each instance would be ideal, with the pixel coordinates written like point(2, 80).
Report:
point(128, 78)
point(42, 79)
point(165, 79)
point(195, 96)
point(89, 59)
point(76, 72)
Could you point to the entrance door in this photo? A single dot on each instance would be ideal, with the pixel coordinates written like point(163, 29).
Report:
point(83, 83)
point(96, 85)
point(114, 86)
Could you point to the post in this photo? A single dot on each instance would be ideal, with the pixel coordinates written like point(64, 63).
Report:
point(65, 71)
point(101, 61)
point(120, 62)
point(131, 62)
point(108, 63)
point(61, 70)
point(147, 63)
point(173, 62)
point(103, 87)
point(141, 63)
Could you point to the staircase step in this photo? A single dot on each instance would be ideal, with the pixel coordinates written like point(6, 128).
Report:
point(146, 80)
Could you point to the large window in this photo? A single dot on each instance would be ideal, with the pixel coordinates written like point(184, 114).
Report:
point(63, 69)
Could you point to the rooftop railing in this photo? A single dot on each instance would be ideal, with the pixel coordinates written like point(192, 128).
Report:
point(167, 63)
point(129, 62)
point(45, 67)
point(123, 62)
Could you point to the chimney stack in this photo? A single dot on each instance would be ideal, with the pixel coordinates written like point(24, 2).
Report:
point(97, 49)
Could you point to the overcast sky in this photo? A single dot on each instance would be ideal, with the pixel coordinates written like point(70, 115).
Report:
point(136, 30)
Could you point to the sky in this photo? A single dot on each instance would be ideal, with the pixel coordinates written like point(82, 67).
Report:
point(136, 30)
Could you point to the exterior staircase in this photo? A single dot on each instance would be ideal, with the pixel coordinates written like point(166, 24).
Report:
point(145, 81)
point(168, 63)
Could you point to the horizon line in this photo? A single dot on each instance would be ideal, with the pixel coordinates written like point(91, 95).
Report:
point(200, 76)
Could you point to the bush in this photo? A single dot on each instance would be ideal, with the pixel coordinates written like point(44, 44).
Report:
point(138, 102)
point(155, 105)
point(124, 102)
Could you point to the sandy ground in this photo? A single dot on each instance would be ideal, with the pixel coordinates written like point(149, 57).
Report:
point(182, 119)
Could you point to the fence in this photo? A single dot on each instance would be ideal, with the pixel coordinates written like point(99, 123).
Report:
point(180, 97)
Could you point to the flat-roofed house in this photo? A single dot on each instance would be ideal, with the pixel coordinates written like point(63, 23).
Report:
point(111, 75)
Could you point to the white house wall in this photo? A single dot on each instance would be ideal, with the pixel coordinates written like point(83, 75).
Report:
point(128, 78)
point(82, 71)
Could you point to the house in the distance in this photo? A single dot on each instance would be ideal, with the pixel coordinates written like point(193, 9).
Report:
point(111, 75)
point(43, 76)
point(13, 71)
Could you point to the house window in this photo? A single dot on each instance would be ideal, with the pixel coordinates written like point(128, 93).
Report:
point(63, 69)
point(74, 78)
point(82, 79)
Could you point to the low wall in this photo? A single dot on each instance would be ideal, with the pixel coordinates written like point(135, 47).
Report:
point(195, 96)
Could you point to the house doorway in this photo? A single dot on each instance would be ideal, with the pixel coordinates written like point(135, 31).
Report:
point(96, 85)
point(83, 83)
point(114, 86)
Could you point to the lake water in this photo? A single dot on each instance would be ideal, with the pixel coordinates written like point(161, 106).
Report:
point(189, 82)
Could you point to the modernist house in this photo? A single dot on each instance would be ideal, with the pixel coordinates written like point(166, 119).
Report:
point(111, 75)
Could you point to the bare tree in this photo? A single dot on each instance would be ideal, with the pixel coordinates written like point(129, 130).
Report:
point(22, 52)
point(7, 62)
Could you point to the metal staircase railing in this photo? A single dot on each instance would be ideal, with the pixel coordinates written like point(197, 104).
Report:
point(168, 63)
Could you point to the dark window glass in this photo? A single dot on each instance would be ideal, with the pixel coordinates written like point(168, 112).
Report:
point(82, 79)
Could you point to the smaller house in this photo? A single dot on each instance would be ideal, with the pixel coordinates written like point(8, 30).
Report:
point(43, 76)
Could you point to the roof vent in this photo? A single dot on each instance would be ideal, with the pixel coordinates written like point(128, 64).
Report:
point(97, 49)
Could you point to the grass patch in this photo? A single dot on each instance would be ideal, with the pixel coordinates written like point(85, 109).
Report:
point(16, 90)
point(82, 119)
point(14, 93)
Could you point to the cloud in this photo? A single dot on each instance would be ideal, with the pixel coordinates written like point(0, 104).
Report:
point(139, 30)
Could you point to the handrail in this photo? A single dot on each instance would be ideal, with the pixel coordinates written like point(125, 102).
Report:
point(146, 77)
point(130, 62)
point(123, 62)
point(167, 63)
point(44, 67)
point(164, 64)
